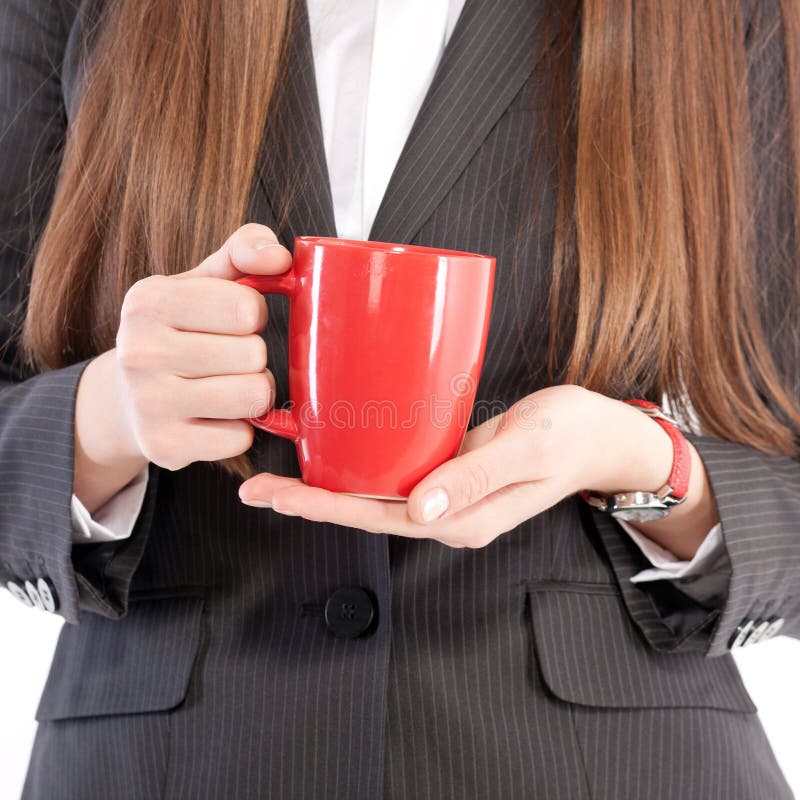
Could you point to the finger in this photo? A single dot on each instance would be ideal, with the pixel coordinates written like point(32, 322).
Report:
point(293, 497)
point(227, 396)
point(479, 435)
point(320, 505)
point(196, 304)
point(258, 490)
point(497, 513)
point(253, 253)
point(202, 355)
point(252, 249)
point(200, 440)
point(475, 526)
point(466, 479)
point(220, 438)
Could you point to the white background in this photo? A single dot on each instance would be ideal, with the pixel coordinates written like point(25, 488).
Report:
point(771, 671)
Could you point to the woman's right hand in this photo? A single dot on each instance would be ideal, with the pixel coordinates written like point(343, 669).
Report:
point(189, 365)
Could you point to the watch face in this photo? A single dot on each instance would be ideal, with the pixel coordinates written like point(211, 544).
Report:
point(634, 514)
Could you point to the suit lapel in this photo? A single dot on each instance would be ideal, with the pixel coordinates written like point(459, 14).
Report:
point(491, 52)
point(293, 173)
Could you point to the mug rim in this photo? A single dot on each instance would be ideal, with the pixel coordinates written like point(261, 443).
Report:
point(389, 247)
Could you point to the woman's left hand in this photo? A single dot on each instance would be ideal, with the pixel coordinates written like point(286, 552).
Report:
point(514, 466)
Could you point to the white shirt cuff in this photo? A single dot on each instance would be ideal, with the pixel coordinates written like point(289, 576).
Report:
point(115, 519)
point(710, 556)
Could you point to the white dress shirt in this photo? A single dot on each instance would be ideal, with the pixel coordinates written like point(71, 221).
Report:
point(374, 62)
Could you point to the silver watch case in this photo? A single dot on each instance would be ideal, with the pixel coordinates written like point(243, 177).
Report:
point(636, 506)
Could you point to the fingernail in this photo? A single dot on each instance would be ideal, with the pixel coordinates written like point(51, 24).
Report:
point(434, 504)
point(262, 244)
point(257, 503)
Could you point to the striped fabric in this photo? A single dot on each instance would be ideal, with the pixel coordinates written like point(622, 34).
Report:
point(529, 668)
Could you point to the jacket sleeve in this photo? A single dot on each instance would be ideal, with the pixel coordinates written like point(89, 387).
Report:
point(37, 411)
point(758, 496)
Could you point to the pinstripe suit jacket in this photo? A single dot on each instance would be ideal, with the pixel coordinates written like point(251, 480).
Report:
point(196, 663)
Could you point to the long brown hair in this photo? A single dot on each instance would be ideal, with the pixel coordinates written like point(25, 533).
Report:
point(664, 164)
point(657, 171)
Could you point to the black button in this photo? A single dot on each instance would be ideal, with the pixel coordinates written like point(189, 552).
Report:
point(349, 611)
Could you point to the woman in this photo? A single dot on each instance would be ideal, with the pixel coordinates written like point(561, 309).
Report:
point(635, 172)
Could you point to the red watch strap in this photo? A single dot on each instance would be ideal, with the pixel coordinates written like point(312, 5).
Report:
point(678, 479)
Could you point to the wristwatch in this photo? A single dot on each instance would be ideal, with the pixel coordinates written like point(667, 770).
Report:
point(644, 506)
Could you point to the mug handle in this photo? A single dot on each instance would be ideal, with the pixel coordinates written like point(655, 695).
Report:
point(277, 421)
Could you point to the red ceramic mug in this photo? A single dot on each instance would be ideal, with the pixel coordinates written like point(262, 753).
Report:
point(386, 344)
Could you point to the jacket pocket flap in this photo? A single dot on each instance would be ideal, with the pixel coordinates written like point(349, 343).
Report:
point(139, 663)
point(590, 652)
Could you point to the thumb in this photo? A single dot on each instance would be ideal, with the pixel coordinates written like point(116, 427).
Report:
point(252, 249)
point(467, 478)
